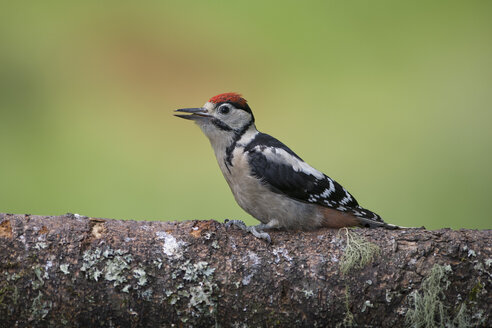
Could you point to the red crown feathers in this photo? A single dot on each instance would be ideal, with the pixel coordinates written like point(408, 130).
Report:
point(231, 97)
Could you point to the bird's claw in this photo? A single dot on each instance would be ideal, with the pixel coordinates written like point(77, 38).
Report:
point(238, 223)
point(260, 234)
point(252, 229)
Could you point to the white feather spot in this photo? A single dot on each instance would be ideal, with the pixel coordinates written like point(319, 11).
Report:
point(346, 199)
point(330, 189)
point(281, 156)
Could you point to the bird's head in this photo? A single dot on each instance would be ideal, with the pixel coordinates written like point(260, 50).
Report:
point(227, 114)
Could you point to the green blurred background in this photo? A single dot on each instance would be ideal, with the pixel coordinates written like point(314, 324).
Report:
point(390, 98)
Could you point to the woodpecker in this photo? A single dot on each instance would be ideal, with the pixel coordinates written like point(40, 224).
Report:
point(268, 180)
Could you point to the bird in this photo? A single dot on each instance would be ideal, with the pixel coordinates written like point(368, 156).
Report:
point(268, 180)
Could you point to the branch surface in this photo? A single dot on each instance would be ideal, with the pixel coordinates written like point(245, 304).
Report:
point(76, 271)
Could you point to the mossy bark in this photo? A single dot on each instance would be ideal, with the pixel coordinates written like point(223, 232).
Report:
point(84, 272)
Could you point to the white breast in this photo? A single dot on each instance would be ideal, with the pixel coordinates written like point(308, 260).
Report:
point(255, 198)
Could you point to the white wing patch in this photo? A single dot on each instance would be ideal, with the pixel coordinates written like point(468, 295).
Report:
point(281, 156)
point(346, 199)
point(328, 191)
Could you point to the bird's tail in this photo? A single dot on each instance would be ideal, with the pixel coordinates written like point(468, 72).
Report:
point(369, 219)
point(368, 223)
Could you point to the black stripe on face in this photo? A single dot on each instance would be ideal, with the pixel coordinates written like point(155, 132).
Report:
point(237, 136)
point(221, 125)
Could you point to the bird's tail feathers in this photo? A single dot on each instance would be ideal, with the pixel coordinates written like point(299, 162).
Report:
point(369, 223)
point(369, 219)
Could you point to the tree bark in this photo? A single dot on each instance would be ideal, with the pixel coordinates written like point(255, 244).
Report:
point(76, 271)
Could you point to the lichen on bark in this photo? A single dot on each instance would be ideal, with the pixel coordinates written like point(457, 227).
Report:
point(80, 271)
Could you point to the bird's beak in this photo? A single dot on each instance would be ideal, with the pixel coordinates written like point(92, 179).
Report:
point(196, 113)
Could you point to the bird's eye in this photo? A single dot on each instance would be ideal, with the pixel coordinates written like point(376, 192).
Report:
point(224, 109)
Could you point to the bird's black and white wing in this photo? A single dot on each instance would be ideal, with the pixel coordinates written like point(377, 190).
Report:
point(282, 171)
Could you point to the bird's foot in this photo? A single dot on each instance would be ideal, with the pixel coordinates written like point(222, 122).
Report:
point(256, 231)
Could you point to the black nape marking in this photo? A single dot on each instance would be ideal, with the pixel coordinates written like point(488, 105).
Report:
point(237, 135)
point(221, 125)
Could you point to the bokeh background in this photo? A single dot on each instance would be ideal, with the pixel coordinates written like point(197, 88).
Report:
point(390, 98)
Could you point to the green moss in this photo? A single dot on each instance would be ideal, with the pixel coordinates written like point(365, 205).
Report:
point(428, 309)
point(358, 252)
point(3, 292)
point(472, 296)
point(462, 318)
point(15, 295)
point(9, 294)
point(349, 320)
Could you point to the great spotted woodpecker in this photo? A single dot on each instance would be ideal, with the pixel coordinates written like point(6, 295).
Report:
point(268, 180)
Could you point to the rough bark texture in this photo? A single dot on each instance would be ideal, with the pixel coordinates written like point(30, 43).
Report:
point(78, 272)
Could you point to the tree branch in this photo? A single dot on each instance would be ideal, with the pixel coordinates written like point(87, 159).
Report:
point(76, 271)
